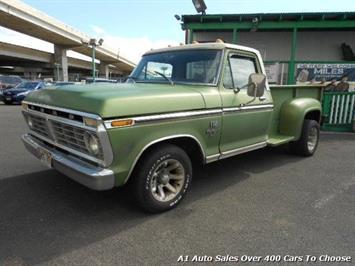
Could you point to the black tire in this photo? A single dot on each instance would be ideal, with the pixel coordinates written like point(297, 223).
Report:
point(310, 131)
point(7, 102)
point(145, 178)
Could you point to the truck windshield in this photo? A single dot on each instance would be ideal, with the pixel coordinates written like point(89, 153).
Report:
point(187, 66)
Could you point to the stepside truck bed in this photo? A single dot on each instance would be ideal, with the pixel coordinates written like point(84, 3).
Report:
point(282, 95)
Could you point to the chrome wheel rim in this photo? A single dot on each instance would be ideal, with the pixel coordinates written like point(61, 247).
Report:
point(167, 180)
point(312, 138)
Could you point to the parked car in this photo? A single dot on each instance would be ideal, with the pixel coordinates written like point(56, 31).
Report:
point(8, 82)
point(99, 80)
point(17, 94)
point(62, 83)
point(182, 105)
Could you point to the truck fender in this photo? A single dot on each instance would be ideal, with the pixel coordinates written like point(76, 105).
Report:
point(294, 111)
point(162, 140)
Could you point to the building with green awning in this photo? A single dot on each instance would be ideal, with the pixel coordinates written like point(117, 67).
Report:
point(296, 47)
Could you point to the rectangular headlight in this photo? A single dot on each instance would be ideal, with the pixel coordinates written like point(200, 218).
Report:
point(90, 122)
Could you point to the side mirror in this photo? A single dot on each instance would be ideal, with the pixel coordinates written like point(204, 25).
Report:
point(256, 86)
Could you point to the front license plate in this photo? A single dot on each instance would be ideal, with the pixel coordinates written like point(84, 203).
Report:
point(45, 157)
point(8, 98)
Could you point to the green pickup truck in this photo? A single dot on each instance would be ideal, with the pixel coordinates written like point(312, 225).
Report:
point(181, 106)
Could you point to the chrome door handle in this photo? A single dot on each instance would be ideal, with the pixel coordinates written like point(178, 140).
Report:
point(262, 98)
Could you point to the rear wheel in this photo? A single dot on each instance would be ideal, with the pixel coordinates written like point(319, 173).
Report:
point(161, 178)
point(308, 142)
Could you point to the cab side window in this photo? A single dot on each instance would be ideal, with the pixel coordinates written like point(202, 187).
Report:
point(238, 70)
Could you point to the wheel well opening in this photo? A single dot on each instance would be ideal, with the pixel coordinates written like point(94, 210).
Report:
point(191, 147)
point(313, 115)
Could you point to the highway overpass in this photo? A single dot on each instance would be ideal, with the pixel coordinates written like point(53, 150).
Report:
point(30, 63)
point(23, 18)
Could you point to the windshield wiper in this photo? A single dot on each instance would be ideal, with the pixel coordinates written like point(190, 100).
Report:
point(168, 79)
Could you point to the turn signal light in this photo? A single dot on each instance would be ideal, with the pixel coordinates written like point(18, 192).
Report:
point(122, 123)
point(24, 106)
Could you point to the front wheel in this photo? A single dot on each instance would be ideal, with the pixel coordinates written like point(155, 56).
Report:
point(162, 178)
point(308, 142)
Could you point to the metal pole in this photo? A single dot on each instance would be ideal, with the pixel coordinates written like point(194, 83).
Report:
point(93, 63)
point(191, 36)
point(291, 64)
point(235, 36)
point(57, 72)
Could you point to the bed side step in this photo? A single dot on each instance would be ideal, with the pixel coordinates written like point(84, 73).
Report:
point(276, 140)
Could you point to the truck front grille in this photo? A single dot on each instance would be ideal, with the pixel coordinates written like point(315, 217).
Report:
point(64, 134)
point(39, 125)
point(69, 136)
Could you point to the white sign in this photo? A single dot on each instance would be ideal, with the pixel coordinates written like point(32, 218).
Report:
point(273, 72)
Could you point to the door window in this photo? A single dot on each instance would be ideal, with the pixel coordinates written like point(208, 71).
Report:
point(238, 70)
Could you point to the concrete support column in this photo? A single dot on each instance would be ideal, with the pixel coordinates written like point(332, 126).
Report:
point(104, 70)
point(27, 74)
point(60, 67)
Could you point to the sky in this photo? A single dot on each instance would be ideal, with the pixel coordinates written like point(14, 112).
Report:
point(135, 26)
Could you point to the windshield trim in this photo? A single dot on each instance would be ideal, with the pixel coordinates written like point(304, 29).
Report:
point(215, 84)
point(221, 64)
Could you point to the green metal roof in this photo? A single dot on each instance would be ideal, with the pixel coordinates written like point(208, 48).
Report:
point(328, 20)
point(270, 17)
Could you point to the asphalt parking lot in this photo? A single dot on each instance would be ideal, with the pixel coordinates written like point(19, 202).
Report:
point(262, 203)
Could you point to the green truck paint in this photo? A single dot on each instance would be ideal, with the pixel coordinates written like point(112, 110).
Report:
point(213, 121)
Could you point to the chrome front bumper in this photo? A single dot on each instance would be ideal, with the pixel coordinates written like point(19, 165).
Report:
point(86, 174)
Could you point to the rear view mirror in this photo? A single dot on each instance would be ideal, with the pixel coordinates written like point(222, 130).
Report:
point(256, 85)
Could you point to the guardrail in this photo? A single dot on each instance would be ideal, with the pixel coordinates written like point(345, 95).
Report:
point(338, 111)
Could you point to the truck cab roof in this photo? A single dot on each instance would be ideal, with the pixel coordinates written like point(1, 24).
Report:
point(210, 45)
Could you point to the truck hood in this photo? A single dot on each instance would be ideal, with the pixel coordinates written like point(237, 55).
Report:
point(120, 100)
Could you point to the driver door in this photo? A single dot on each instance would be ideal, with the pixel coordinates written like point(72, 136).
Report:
point(245, 119)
